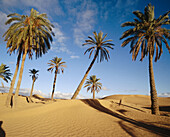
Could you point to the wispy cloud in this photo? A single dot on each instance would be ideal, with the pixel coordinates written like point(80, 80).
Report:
point(105, 89)
point(164, 94)
point(123, 9)
point(74, 57)
point(58, 44)
point(57, 95)
point(119, 9)
point(85, 21)
point(60, 95)
point(105, 8)
point(10, 2)
point(3, 27)
point(50, 7)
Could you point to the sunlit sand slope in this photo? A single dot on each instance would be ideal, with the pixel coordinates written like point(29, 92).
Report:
point(101, 118)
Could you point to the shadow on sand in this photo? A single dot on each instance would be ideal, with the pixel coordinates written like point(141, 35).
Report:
point(145, 126)
point(43, 99)
point(161, 108)
point(129, 107)
point(2, 132)
point(128, 130)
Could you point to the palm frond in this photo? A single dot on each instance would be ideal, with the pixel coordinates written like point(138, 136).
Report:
point(139, 14)
point(93, 84)
point(147, 28)
point(99, 44)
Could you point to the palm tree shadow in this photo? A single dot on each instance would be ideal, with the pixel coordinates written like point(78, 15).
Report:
point(2, 132)
point(128, 130)
point(145, 126)
point(42, 99)
point(161, 108)
point(130, 107)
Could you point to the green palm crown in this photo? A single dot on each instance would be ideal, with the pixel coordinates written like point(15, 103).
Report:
point(5, 72)
point(100, 46)
point(33, 73)
point(93, 84)
point(56, 63)
point(28, 32)
point(147, 33)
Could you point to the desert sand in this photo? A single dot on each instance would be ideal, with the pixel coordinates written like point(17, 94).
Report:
point(89, 118)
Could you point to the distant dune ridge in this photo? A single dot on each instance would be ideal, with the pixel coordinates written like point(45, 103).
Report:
point(86, 117)
point(59, 95)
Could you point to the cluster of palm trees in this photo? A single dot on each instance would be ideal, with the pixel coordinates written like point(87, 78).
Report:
point(32, 34)
point(27, 35)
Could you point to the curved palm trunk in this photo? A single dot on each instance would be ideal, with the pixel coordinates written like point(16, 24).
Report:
point(85, 76)
point(8, 100)
point(153, 92)
point(32, 87)
point(20, 79)
point(55, 77)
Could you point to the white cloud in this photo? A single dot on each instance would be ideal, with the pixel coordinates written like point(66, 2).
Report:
point(164, 94)
point(74, 57)
point(60, 95)
point(58, 44)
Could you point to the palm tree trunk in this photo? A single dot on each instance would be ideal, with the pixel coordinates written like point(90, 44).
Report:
point(85, 76)
point(93, 94)
point(153, 92)
point(8, 100)
point(55, 77)
point(32, 87)
point(20, 79)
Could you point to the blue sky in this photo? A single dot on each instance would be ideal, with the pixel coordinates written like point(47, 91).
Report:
point(74, 21)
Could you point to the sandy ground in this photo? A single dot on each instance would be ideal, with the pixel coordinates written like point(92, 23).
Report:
point(89, 118)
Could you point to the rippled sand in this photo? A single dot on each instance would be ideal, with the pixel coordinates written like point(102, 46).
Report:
point(91, 118)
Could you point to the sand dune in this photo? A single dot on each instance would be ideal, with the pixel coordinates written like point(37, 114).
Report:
point(92, 118)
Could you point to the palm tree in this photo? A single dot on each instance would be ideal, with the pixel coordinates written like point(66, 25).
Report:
point(93, 84)
point(100, 51)
point(148, 34)
point(56, 64)
point(5, 73)
point(34, 75)
point(26, 35)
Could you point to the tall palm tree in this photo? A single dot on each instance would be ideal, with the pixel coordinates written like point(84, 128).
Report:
point(148, 34)
point(100, 52)
point(27, 34)
point(93, 84)
point(34, 76)
point(56, 64)
point(5, 73)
